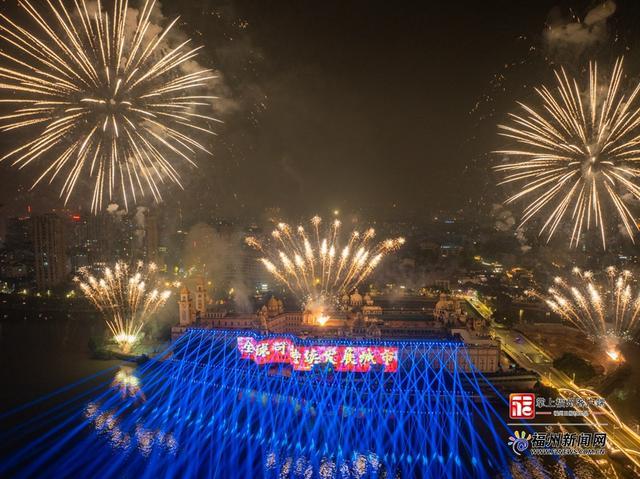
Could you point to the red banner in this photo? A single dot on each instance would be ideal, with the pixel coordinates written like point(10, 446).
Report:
point(304, 358)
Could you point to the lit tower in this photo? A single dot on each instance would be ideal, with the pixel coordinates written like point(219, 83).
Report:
point(201, 296)
point(186, 307)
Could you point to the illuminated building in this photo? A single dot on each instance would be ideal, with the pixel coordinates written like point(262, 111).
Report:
point(363, 319)
point(99, 237)
point(19, 233)
point(186, 308)
point(49, 246)
point(78, 235)
point(109, 236)
point(16, 259)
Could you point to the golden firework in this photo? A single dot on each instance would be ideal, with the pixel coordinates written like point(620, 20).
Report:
point(606, 307)
point(576, 154)
point(100, 99)
point(125, 297)
point(321, 265)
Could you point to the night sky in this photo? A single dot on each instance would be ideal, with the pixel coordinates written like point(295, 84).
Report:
point(373, 106)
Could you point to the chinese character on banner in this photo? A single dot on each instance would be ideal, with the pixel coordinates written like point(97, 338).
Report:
point(262, 351)
point(280, 347)
point(303, 358)
point(388, 357)
point(311, 356)
point(247, 347)
point(522, 406)
point(366, 358)
point(329, 355)
point(349, 357)
point(295, 356)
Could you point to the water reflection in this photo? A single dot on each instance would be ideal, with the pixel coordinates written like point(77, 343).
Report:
point(357, 466)
point(128, 383)
point(206, 412)
point(107, 424)
point(113, 424)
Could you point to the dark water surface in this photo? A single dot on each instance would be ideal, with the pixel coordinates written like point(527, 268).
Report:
point(207, 413)
point(39, 355)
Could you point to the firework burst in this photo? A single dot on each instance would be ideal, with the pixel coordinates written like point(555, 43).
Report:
point(99, 100)
point(322, 266)
point(602, 309)
point(576, 155)
point(124, 298)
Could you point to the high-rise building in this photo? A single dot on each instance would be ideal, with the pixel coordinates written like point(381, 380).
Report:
point(16, 259)
point(19, 233)
point(100, 237)
point(152, 239)
point(50, 250)
point(110, 237)
point(77, 241)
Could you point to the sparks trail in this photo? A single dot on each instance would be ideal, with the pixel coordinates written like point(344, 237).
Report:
point(602, 309)
point(123, 297)
point(321, 266)
point(577, 154)
point(99, 102)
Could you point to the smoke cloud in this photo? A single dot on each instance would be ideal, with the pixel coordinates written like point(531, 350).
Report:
point(572, 36)
point(504, 221)
point(139, 219)
point(115, 211)
point(219, 257)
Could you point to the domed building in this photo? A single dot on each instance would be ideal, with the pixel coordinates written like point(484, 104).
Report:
point(274, 306)
point(356, 300)
point(367, 300)
point(358, 317)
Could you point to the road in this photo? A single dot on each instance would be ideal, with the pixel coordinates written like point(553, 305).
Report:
point(620, 438)
point(481, 308)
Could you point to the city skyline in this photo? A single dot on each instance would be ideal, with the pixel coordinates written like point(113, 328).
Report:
point(319, 239)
